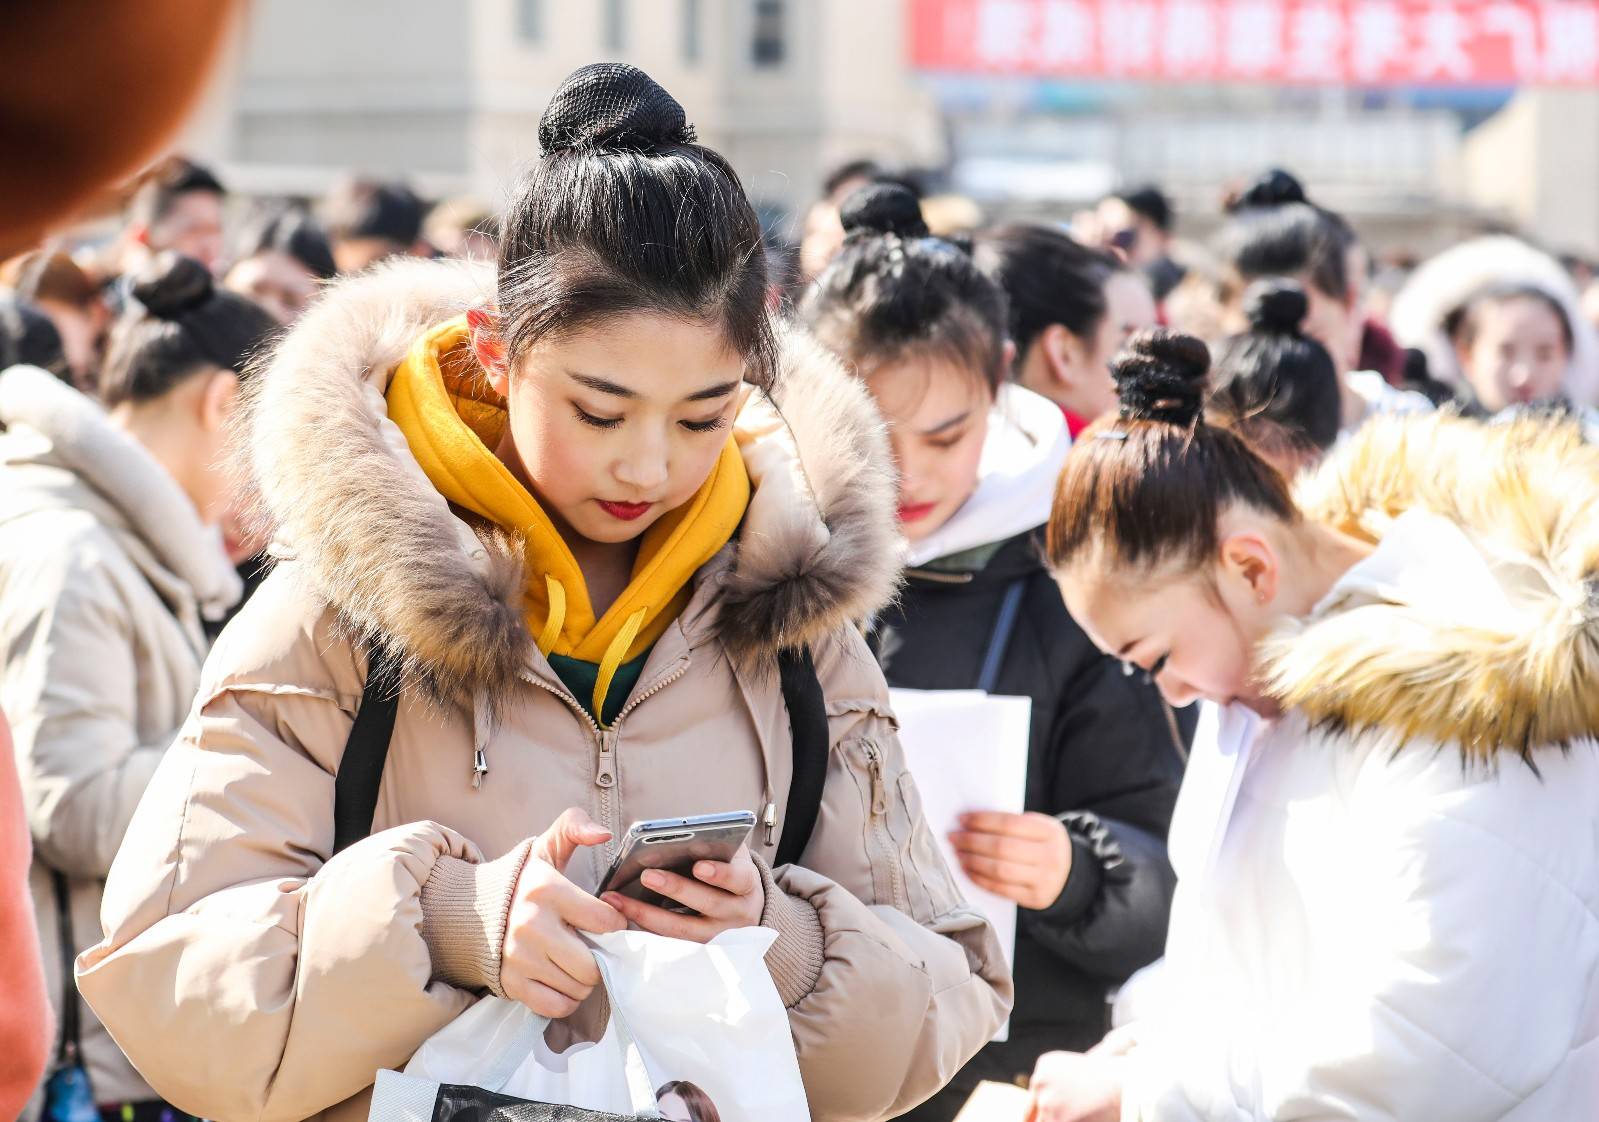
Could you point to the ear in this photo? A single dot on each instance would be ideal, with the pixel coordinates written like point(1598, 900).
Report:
point(484, 324)
point(1008, 359)
point(217, 398)
point(139, 234)
point(1064, 353)
point(1249, 560)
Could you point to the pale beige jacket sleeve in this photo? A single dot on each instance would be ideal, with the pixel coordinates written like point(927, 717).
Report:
point(245, 974)
point(908, 981)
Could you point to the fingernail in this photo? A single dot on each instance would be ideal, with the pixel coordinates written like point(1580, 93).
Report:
point(654, 880)
point(705, 870)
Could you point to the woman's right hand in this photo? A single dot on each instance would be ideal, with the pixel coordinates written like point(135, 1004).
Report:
point(544, 964)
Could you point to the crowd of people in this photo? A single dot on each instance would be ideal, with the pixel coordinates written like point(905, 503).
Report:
point(1302, 584)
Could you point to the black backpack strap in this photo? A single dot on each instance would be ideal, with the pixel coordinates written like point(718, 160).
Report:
point(69, 1044)
point(807, 716)
point(999, 641)
point(355, 790)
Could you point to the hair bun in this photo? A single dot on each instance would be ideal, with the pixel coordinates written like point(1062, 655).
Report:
point(612, 107)
point(1272, 188)
point(1162, 376)
point(173, 284)
point(883, 208)
point(1276, 306)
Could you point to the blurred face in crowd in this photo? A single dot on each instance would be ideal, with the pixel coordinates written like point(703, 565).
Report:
point(1336, 322)
point(192, 226)
point(617, 424)
point(187, 428)
point(937, 415)
point(1516, 352)
point(1074, 371)
point(275, 280)
point(1123, 228)
point(82, 331)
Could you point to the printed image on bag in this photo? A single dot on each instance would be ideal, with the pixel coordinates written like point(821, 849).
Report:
point(696, 1034)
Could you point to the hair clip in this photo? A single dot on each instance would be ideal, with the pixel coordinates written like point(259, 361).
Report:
point(1113, 434)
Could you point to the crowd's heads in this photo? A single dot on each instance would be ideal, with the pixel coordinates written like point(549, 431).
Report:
point(368, 220)
point(282, 263)
point(1071, 309)
point(58, 287)
point(179, 325)
point(1274, 231)
point(1515, 345)
point(823, 232)
point(178, 208)
point(28, 337)
point(1275, 384)
point(1138, 223)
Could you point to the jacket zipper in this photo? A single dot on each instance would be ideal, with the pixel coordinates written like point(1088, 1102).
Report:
point(885, 841)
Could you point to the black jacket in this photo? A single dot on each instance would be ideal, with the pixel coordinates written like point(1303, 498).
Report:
point(1103, 757)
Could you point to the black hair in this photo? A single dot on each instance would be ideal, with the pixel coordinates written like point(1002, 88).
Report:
point(178, 324)
point(1461, 325)
point(626, 212)
point(1047, 278)
point(1275, 231)
point(1277, 384)
point(296, 233)
point(27, 336)
point(177, 177)
point(368, 208)
point(895, 291)
point(1146, 486)
point(1149, 201)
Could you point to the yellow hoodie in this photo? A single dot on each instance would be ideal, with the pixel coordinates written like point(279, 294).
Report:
point(452, 419)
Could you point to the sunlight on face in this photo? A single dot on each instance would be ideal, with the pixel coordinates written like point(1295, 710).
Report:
point(1518, 355)
point(937, 414)
point(622, 422)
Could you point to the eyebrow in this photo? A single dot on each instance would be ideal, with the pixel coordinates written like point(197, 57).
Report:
point(1123, 652)
point(947, 425)
point(600, 385)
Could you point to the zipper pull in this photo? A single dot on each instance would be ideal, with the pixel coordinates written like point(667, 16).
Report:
point(874, 762)
point(605, 765)
point(769, 820)
point(480, 767)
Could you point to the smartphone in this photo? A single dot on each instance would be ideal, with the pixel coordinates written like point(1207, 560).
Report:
point(674, 844)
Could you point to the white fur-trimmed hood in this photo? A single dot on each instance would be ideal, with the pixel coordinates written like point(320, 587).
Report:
point(336, 484)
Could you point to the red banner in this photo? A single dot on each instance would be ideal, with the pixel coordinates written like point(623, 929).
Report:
point(1355, 42)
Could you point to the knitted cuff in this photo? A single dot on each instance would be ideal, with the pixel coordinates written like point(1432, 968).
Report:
point(795, 960)
point(465, 908)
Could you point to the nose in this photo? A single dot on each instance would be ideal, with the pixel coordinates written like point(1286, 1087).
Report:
point(1177, 692)
point(646, 464)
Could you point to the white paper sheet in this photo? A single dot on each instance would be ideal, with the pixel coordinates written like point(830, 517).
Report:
point(967, 751)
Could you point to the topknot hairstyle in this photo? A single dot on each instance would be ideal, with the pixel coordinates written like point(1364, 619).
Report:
point(1146, 487)
point(625, 212)
point(894, 292)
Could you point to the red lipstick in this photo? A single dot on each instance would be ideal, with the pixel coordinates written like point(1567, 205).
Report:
point(915, 512)
point(626, 512)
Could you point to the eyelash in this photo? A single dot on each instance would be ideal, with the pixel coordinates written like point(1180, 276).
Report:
point(612, 422)
point(1154, 671)
point(948, 442)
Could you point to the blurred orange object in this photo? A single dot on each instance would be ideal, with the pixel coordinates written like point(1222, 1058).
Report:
point(89, 90)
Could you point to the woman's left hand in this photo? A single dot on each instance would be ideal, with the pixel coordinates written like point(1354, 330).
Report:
point(726, 894)
point(1022, 857)
point(1075, 1087)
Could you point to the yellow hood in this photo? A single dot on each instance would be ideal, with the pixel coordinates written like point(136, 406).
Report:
point(452, 419)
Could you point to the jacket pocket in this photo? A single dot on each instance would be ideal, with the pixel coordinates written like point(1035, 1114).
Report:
point(868, 766)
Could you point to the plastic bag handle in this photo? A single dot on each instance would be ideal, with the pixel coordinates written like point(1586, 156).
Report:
point(640, 1090)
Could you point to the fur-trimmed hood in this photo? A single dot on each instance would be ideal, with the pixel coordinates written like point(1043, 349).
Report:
point(1476, 621)
point(337, 485)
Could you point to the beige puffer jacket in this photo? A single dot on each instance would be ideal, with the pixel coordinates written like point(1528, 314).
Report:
point(105, 569)
point(249, 976)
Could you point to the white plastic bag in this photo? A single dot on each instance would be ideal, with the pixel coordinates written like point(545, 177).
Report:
point(703, 1015)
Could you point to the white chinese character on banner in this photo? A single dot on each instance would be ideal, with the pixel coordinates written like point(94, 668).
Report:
point(1443, 44)
point(1188, 41)
point(1376, 37)
point(1127, 31)
point(1068, 38)
point(1004, 28)
point(1515, 22)
point(1316, 40)
point(1571, 41)
point(1254, 37)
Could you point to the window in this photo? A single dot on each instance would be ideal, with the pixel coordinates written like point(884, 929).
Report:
point(615, 25)
point(766, 46)
point(691, 31)
point(530, 19)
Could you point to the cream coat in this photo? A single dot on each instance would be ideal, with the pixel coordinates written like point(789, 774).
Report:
point(104, 571)
point(250, 976)
point(1388, 898)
